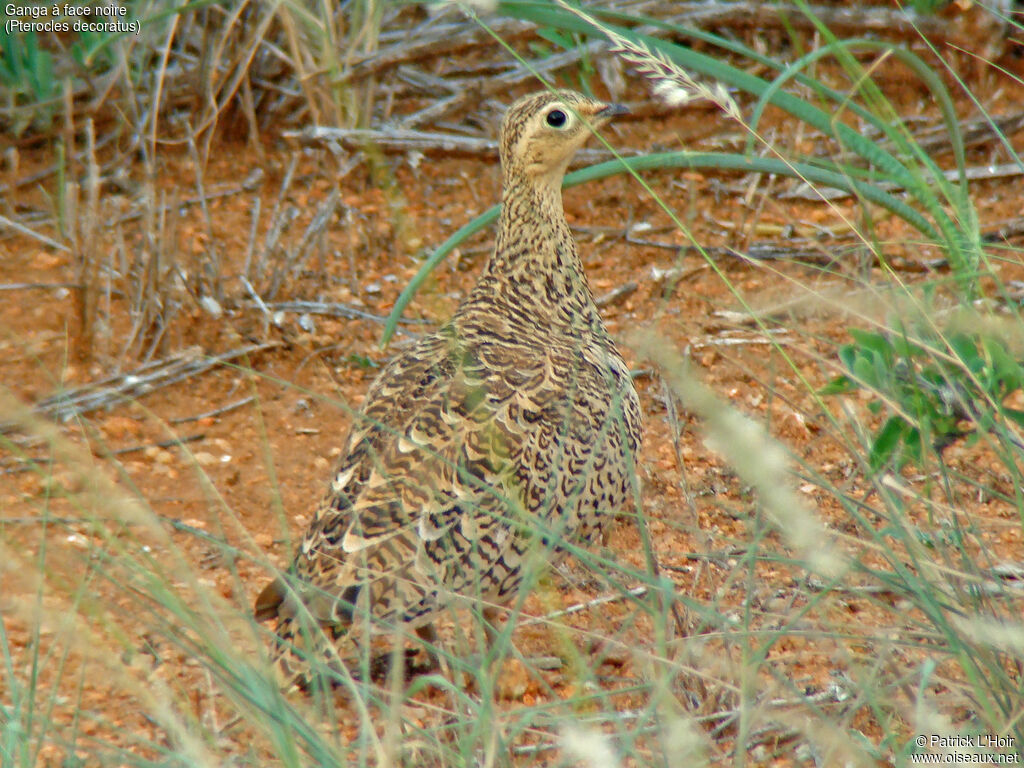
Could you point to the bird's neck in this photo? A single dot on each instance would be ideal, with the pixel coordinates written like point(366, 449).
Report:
point(535, 269)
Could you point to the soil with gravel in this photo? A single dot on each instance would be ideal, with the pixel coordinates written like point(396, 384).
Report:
point(261, 434)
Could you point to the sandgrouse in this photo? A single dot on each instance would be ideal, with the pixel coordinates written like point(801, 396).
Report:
point(512, 429)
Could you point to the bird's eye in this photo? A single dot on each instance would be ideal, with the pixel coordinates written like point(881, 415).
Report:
point(557, 118)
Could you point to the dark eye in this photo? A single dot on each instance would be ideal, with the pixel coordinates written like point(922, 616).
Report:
point(556, 118)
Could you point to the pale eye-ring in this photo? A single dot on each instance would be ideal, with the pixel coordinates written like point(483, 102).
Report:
point(557, 118)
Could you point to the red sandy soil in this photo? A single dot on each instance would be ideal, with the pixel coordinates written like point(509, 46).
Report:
point(253, 474)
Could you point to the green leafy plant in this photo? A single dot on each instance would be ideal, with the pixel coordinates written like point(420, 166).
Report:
point(936, 389)
point(26, 71)
point(361, 361)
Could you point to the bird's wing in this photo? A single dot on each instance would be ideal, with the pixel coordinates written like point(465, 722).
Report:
point(430, 499)
point(448, 478)
point(403, 388)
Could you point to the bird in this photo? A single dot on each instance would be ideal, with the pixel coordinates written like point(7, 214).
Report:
point(501, 440)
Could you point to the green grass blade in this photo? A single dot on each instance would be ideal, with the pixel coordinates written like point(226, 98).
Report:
point(661, 161)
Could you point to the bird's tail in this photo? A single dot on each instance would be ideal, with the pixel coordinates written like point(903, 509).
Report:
point(303, 656)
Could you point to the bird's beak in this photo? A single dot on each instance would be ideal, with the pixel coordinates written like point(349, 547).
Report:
point(609, 111)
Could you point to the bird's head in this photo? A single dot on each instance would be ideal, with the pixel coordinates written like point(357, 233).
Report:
point(541, 132)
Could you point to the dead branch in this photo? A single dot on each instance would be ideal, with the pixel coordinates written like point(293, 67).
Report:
point(33, 234)
point(616, 295)
point(251, 183)
point(638, 591)
point(35, 286)
point(481, 88)
point(126, 387)
point(1009, 229)
point(975, 133)
point(52, 169)
point(803, 191)
point(453, 38)
point(215, 412)
point(398, 140)
point(162, 444)
point(444, 40)
point(334, 309)
point(840, 19)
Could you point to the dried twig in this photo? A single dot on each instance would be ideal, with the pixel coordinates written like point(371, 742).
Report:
point(935, 137)
point(399, 140)
point(85, 230)
point(840, 19)
point(444, 40)
point(449, 39)
point(215, 412)
point(673, 275)
point(52, 169)
point(28, 463)
point(335, 309)
point(279, 219)
point(211, 265)
point(489, 86)
point(4, 221)
point(34, 286)
point(602, 600)
point(977, 132)
point(1009, 229)
point(170, 521)
point(804, 191)
point(616, 295)
point(126, 387)
point(296, 257)
point(162, 444)
point(250, 184)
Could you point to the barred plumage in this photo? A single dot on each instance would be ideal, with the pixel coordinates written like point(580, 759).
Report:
point(513, 426)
